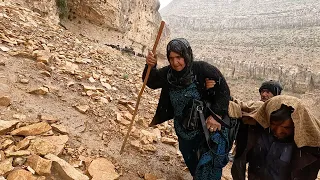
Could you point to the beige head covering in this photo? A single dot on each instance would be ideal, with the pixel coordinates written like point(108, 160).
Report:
point(307, 126)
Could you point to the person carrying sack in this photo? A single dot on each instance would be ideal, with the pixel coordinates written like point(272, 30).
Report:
point(196, 95)
point(285, 143)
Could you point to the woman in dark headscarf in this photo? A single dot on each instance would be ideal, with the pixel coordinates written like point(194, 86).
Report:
point(181, 82)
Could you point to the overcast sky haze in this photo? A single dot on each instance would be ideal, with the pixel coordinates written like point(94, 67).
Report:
point(163, 3)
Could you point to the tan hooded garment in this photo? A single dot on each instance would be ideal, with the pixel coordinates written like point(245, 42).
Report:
point(307, 126)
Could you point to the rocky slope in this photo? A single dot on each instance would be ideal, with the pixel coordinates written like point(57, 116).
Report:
point(53, 76)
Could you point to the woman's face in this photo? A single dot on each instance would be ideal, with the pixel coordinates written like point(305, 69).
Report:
point(282, 129)
point(176, 61)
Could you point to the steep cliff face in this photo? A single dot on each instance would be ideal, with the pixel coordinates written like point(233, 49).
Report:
point(46, 8)
point(132, 23)
point(273, 39)
point(128, 24)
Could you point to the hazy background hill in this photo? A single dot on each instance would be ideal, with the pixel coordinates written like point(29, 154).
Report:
point(274, 39)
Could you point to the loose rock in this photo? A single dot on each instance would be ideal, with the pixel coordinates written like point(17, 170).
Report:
point(101, 168)
point(5, 101)
point(32, 130)
point(40, 165)
point(64, 169)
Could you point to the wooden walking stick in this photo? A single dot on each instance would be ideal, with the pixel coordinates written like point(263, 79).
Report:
point(143, 86)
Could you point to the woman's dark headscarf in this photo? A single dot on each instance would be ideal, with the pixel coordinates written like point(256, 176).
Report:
point(273, 86)
point(180, 79)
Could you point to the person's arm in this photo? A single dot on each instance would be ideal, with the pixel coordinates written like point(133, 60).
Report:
point(157, 77)
point(219, 95)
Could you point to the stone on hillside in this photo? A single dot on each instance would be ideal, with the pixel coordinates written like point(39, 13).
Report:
point(5, 144)
point(48, 133)
point(101, 168)
point(106, 85)
point(150, 148)
point(103, 79)
point(83, 60)
point(130, 108)
point(42, 56)
point(49, 118)
point(19, 116)
point(46, 73)
point(2, 156)
point(90, 93)
point(169, 141)
point(142, 122)
point(104, 100)
point(41, 65)
point(145, 141)
point(149, 176)
point(86, 160)
point(135, 133)
point(31, 170)
point(121, 120)
point(4, 49)
point(150, 136)
point(6, 166)
point(40, 91)
point(108, 71)
point(64, 169)
point(32, 130)
point(128, 116)
point(157, 133)
point(5, 101)
point(95, 75)
point(165, 157)
point(71, 67)
point(123, 102)
point(24, 81)
point(59, 128)
point(135, 144)
point(22, 54)
point(41, 147)
point(87, 88)
point(10, 149)
point(40, 165)
point(23, 144)
point(18, 153)
point(82, 108)
point(4, 89)
point(50, 144)
point(19, 161)
point(20, 174)
point(92, 80)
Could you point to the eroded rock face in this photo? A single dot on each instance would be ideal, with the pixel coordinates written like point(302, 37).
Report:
point(46, 8)
point(129, 24)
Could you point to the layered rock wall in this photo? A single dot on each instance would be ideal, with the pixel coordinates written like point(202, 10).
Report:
point(128, 24)
point(132, 24)
point(294, 78)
